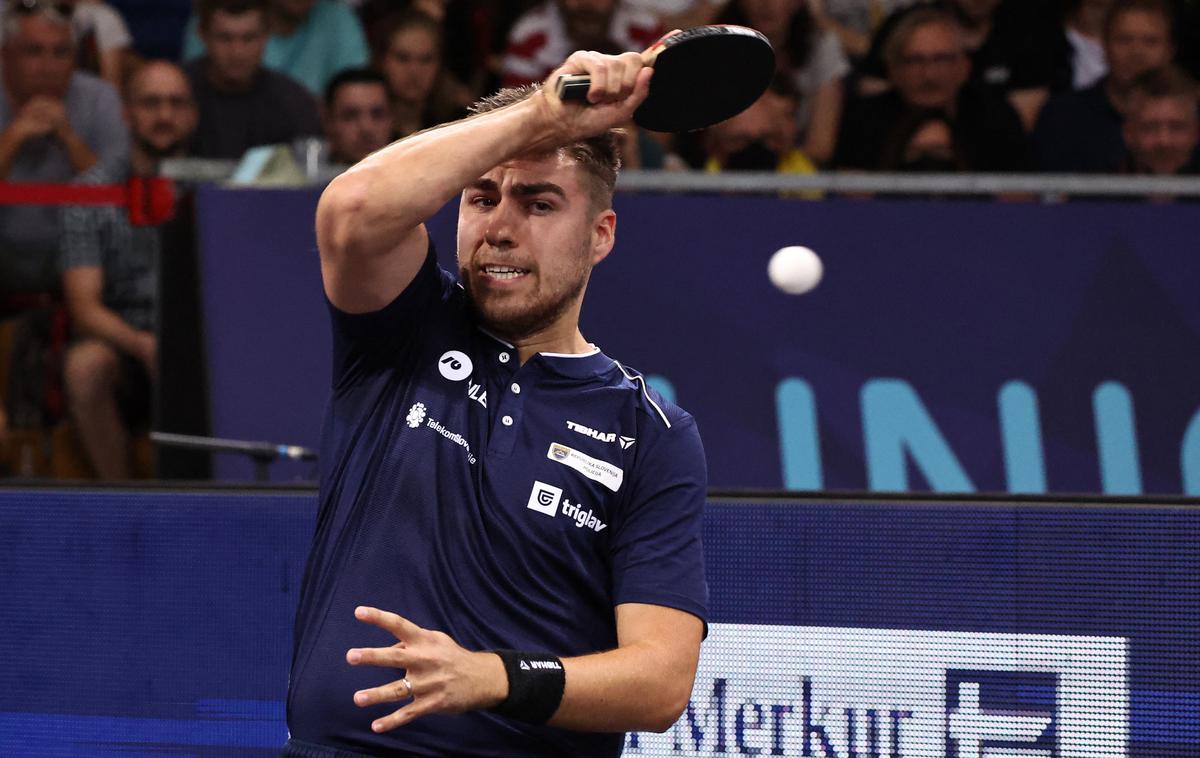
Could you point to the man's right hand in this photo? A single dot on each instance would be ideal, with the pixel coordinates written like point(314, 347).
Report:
point(619, 85)
point(39, 117)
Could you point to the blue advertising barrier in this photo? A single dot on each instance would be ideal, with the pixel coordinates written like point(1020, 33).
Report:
point(952, 346)
point(155, 623)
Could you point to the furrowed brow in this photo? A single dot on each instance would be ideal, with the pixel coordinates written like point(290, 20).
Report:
point(540, 188)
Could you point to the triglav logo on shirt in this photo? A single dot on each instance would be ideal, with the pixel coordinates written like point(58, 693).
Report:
point(455, 365)
point(545, 498)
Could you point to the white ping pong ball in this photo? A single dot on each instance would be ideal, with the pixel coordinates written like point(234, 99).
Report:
point(795, 269)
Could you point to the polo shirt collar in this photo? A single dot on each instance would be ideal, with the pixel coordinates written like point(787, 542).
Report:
point(572, 365)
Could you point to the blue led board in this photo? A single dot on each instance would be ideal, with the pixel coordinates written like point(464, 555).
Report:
point(157, 623)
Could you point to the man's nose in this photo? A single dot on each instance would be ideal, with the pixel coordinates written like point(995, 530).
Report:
point(501, 223)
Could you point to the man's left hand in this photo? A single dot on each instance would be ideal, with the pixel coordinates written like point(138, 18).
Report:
point(440, 675)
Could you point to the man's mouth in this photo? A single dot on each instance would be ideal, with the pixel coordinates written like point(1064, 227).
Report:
point(504, 273)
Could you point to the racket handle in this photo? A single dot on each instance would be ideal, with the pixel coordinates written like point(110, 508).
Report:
point(573, 87)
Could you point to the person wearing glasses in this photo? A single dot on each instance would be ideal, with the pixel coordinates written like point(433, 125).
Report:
point(929, 69)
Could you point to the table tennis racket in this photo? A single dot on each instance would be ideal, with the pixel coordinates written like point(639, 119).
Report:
point(702, 76)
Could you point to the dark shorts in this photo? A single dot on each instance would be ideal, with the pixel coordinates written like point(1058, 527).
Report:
point(298, 749)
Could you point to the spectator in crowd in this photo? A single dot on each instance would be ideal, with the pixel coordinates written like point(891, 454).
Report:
point(1082, 61)
point(760, 138)
point(812, 57)
point(928, 69)
point(102, 40)
point(1081, 131)
point(545, 35)
point(109, 273)
point(423, 93)
point(55, 123)
point(1162, 126)
point(1011, 45)
point(243, 104)
point(357, 115)
point(923, 141)
point(309, 41)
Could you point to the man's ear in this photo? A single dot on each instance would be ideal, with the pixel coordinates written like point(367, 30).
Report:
point(604, 234)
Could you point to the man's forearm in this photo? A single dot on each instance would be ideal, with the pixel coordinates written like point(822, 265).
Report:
point(394, 190)
point(632, 688)
point(81, 156)
point(10, 144)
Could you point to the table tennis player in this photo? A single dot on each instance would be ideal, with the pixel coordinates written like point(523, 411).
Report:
point(507, 557)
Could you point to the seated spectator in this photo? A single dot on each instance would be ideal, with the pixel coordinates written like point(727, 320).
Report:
point(357, 115)
point(109, 270)
point(102, 40)
point(1082, 61)
point(423, 93)
point(1081, 131)
point(309, 41)
point(928, 69)
point(923, 141)
point(814, 60)
point(1162, 127)
point(760, 138)
point(241, 103)
point(55, 123)
point(1011, 44)
point(678, 14)
point(543, 37)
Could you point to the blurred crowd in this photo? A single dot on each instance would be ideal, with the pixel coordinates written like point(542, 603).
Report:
point(93, 95)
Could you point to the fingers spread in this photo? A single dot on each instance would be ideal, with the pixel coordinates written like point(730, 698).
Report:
point(393, 692)
point(405, 715)
point(399, 626)
point(396, 656)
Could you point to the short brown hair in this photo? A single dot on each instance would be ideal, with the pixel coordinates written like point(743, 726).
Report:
point(1154, 7)
point(599, 156)
point(206, 8)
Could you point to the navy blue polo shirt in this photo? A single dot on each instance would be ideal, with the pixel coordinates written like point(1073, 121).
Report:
point(508, 505)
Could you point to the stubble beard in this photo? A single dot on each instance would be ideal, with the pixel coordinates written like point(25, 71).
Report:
point(531, 314)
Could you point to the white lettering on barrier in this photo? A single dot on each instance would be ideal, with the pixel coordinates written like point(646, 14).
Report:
point(818, 692)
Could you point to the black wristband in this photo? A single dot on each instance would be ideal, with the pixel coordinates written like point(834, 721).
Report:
point(535, 686)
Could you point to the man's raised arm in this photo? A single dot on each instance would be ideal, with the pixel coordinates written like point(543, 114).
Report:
point(370, 220)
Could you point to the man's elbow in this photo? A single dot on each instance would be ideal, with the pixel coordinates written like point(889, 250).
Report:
point(672, 704)
point(339, 215)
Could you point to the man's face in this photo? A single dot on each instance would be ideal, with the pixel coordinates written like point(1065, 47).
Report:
point(1137, 41)
point(411, 64)
point(160, 109)
point(235, 43)
point(38, 61)
point(528, 236)
point(931, 68)
point(1162, 133)
point(587, 20)
point(359, 122)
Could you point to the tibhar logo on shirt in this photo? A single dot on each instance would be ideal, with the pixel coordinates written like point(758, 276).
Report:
point(455, 365)
point(587, 431)
point(545, 498)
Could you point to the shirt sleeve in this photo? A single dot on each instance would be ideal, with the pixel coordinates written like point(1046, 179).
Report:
point(350, 50)
point(193, 47)
point(111, 31)
point(365, 342)
point(657, 554)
